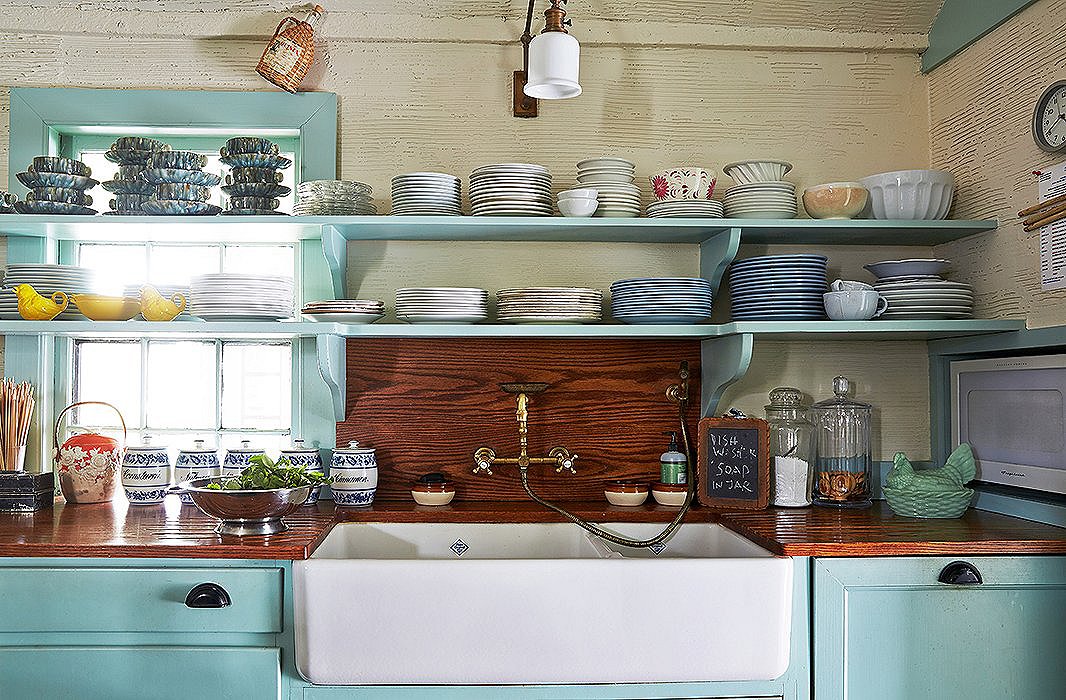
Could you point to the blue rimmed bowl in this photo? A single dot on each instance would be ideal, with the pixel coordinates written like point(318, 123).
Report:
point(157, 176)
point(32, 178)
point(241, 175)
point(256, 189)
point(183, 190)
point(59, 194)
point(179, 207)
point(257, 160)
point(248, 144)
point(56, 164)
point(181, 160)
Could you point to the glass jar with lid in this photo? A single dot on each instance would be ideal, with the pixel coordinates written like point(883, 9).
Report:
point(842, 463)
point(791, 443)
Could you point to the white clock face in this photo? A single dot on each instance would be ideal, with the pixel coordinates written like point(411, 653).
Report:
point(1050, 119)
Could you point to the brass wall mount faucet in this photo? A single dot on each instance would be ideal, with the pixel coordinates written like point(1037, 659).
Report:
point(485, 457)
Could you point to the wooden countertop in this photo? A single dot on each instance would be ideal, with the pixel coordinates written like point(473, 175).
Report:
point(176, 531)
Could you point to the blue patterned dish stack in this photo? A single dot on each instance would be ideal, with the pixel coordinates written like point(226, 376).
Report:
point(654, 300)
point(354, 470)
point(198, 463)
point(254, 181)
point(132, 154)
point(181, 187)
point(309, 459)
point(146, 473)
point(778, 288)
point(57, 186)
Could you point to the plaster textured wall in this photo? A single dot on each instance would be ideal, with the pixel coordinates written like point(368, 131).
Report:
point(980, 107)
point(835, 89)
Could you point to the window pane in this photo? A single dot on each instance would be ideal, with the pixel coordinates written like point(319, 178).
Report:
point(109, 372)
point(256, 386)
point(260, 260)
point(178, 264)
point(118, 265)
point(181, 385)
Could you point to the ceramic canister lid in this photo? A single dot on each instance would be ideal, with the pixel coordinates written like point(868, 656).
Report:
point(198, 447)
point(245, 448)
point(353, 448)
point(298, 447)
point(146, 446)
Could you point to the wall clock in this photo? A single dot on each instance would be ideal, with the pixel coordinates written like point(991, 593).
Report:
point(1049, 119)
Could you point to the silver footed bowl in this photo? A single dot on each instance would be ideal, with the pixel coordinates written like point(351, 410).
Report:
point(247, 511)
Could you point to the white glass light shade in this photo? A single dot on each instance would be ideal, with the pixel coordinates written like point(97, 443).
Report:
point(553, 66)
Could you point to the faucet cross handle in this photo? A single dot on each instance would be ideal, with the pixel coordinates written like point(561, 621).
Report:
point(563, 459)
point(483, 459)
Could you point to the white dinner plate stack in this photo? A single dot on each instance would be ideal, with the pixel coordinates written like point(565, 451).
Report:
point(661, 300)
point(549, 305)
point(511, 189)
point(778, 288)
point(228, 296)
point(613, 179)
point(686, 208)
point(333, 198)
point(442, 305)
point(426, 194)
point(46, 279)
point(915, 290)
point(344, 310)
point(761, 200)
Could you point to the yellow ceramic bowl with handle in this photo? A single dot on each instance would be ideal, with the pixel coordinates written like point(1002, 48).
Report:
point(104, 308)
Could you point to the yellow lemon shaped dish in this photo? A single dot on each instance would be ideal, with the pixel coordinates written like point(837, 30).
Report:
point(105, 308)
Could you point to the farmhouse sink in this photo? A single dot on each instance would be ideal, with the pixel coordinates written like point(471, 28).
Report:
point(538, 603)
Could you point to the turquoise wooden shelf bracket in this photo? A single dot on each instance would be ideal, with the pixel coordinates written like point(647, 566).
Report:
point(716, 253)
point(331, 364)
point(335, 248)
point(723, 360)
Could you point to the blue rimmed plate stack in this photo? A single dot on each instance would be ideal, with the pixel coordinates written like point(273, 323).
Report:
point(57, 186)
point(661, 300)
point(181, 186)
point(131, 154)
point(254, 181)
point(778, 288)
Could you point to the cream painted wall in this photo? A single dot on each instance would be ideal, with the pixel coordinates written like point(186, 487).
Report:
point(980, 108)
point(697, 82)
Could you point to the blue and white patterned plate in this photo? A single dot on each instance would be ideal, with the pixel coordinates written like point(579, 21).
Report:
point(257, 160)
point(256, 189)
point(158, 176)
point(253, 212)
point(127, 187)
point(131, 212)
point(52, 208)
point(129, 156)
point(35, 179)
point(179, 207)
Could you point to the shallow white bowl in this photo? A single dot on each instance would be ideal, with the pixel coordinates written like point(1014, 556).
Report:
point(580, 193)
point(910, 194)
point(578, 208)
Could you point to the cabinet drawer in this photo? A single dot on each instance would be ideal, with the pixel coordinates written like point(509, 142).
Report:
point(77, 599)
point(145, 673)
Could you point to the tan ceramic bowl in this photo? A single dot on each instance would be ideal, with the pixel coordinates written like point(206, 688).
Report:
point(626, 493)
point(669, 494)
point(439, 494)
point(104, 308)
point(835, 200)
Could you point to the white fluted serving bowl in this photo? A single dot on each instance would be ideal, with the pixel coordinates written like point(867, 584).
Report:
point(910, 194)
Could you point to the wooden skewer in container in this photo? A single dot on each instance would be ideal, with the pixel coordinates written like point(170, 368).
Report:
point(16, 412)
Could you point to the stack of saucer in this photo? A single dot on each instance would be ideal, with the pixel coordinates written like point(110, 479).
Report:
point(344, 310)
point(511, 189)
point(131, 191)
point(442, 305)
point(256, 160)
point(761, 200)
point(333, 198)
point(46, 279)
point(686, 208)
point(426, 194)
point(613, 179)
point(57, 186)
point(228, 296)
point(661, 300)
point(182, 188)
point(549, 305)
point(915, 290)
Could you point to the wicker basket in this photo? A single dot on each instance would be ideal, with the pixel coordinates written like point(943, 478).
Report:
point(928, 504)
point(289, 55)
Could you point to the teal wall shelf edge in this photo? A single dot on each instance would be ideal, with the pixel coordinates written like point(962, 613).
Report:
point(962, 22)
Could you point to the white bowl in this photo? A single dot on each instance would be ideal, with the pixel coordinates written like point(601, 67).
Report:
point(746, 172)
point(581, 193)
point(578, 207)
point(910, 194)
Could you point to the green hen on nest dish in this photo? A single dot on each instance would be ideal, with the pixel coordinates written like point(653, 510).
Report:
point(931, 493)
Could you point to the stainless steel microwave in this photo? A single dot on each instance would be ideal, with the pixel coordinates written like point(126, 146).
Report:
point(1012, 411)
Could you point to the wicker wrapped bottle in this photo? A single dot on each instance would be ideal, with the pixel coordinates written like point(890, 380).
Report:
point(842, 449)
point(291, 51)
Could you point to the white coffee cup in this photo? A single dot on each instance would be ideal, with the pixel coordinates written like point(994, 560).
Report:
point(849, 286)
point(857, 305)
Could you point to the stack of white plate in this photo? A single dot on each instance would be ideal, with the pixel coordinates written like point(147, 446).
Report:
point(442, 305)
point(511, 189)
point(778, 288)
point(925, 297)
point(333, 198)
point(761, 200)
point(46, 279)
point(549, 305)
point(661, 300)
point(426, 194)
point(686, 208)
point(227, 296)
point(344, 310)
point(613, 179)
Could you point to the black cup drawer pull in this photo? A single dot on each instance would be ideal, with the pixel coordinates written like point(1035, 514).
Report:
point(207, 595)
point(960, 573)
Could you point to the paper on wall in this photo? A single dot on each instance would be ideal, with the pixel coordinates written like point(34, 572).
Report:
point(1050, 183)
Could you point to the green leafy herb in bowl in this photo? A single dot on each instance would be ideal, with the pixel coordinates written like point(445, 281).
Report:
point(265, 473)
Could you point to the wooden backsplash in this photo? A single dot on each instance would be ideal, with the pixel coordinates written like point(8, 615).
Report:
point(426, 405)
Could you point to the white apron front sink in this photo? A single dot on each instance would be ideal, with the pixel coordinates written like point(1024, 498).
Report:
point(538, 603)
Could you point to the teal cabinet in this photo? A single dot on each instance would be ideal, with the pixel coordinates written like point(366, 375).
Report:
point(887, 629)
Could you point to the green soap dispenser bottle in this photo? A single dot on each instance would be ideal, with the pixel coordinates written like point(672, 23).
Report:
point(672, 463)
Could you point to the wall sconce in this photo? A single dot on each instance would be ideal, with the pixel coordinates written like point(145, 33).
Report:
point(549, 62)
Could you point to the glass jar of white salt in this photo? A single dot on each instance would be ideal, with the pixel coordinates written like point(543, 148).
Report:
point(791, 445)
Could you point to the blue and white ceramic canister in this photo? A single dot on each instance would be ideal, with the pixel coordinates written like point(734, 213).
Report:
point(237, 460)
point(310, 460)
point(355, 475)
point(145, 473)
point(198, 463)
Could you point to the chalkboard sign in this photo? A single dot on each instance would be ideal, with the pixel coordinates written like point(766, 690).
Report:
point(733, 463)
